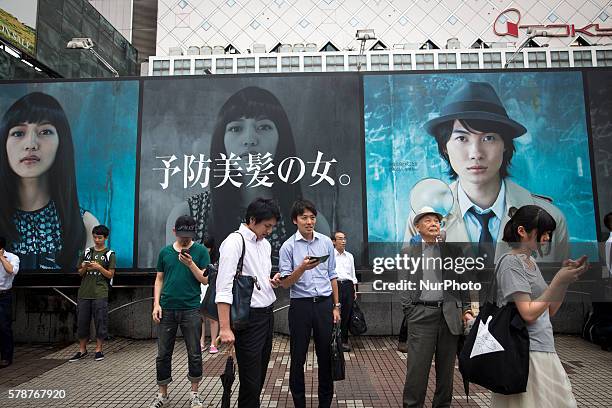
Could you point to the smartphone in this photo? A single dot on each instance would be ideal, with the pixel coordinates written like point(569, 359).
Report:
point(318, 258)
point(185, 251)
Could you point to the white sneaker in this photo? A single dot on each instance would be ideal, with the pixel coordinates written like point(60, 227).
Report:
point(159, 401)
point(196, 402)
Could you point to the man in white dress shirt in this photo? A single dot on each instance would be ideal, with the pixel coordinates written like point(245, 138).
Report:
point(253, 344)
point(347, 283)
point(9, 266)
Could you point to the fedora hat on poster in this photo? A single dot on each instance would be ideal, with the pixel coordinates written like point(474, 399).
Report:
point(476, 101)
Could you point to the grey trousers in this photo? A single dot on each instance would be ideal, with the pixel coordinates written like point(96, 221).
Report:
point(429, 337)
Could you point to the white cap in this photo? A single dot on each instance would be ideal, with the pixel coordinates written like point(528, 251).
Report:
point(425, 211)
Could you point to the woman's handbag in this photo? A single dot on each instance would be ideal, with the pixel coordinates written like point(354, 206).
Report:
point(496, 351)
point(242, 291)
point(337, 355)
point(357, 323)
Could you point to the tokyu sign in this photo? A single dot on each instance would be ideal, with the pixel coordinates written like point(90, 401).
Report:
point(508, 22)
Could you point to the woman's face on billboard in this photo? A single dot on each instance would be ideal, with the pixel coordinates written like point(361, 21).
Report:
point(246, 136)
point(31, 148)
point(475, 156)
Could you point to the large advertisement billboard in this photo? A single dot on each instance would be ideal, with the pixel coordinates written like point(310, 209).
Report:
point(67, 164)
point(211, 145)
point(369, 151)
point(18, 24)
point(498, 141)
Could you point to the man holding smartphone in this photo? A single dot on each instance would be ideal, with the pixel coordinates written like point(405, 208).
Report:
point(314, 300)
point(180, 270)
point(97, 268)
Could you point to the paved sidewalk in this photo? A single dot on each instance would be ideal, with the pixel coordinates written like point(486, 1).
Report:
point(375, 376)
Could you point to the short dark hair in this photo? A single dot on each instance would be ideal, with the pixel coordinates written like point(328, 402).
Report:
point(333, 237)
point(443, 132)
point(209, 242)
point(300, 206)
point(529, 217)
point(262, 209)
point(2, 242)
point(101, 230)
point(608, 220)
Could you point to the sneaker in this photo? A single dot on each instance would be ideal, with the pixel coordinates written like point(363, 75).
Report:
point(346, 347)
point(196, 402)
point(213, 350)
point(159, 401)
point(203, 347)
point(78, 356)
point(99, 356)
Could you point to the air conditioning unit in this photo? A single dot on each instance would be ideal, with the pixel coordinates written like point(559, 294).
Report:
point(175, 51)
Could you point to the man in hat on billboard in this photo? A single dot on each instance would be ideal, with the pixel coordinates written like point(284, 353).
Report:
point(434, 314)
point(180, 270)
point(475, 137)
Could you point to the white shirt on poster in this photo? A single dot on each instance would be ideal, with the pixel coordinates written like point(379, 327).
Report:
point(257, 262)
point(345, 266)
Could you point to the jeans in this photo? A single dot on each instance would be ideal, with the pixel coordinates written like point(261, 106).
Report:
point(6, 326)
point(190, 323)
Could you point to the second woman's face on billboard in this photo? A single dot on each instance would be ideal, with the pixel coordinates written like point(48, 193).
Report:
point(246, 136)
point(31, 148)
point(475, 156)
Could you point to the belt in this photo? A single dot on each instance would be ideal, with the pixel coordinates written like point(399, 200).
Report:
point(3, 291)
point(345, 281)
point(315, 299)
point(429, 303)
point(263, 310)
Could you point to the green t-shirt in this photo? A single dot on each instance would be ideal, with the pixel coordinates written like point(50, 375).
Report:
point(94, 285)
point(181, 290)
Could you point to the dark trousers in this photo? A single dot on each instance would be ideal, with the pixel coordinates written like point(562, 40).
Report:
point(96, 309)
point(191, 326)
point(429, 335)
point(6, 326)
point(253, 347)
point(306, 317)
point(347, 297)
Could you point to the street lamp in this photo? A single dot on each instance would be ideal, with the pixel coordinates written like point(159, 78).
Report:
point(531, 34)
point(86, 43)
point(363, 36)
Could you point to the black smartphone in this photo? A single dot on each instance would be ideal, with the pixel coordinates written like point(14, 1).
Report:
point(185, 251)
point(321, 259)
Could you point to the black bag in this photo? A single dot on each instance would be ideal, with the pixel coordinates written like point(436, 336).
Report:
point(337, 355)
point(357, 323)
point(598, 327)
point(496, 351)
point(242, 291)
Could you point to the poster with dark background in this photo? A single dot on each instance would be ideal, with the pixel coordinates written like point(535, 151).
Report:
point(320, 113)
point(600, 95)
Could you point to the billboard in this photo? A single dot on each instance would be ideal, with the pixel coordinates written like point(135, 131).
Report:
point(67, 164)
point(18, 24)
point(498, 140)
point(365, 148)
point(198, 157)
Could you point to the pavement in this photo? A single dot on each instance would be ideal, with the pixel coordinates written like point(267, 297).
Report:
point(375, 376)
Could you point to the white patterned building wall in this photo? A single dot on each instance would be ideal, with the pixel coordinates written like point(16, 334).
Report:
point(242, 23)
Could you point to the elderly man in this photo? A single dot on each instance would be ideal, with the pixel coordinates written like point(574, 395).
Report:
point(434, 316)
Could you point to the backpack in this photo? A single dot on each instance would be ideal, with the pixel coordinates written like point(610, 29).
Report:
point(88, 255)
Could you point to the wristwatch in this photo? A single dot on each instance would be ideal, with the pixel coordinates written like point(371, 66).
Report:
point(337, 305)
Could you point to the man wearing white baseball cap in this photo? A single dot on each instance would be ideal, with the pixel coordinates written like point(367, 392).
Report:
point(434, 315)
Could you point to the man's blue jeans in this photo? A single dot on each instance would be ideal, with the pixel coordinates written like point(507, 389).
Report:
point(191, 326)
